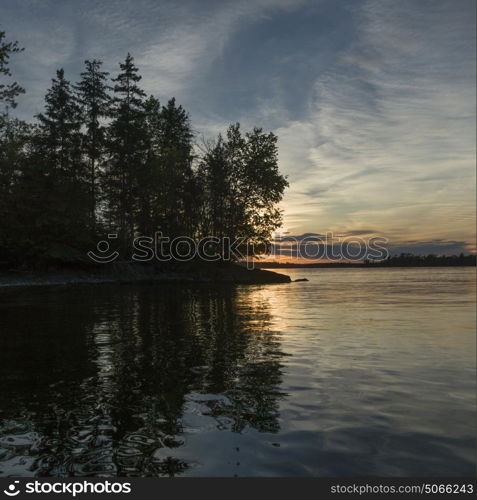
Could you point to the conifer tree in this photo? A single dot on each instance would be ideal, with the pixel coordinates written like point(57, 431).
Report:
point(8, 91)
point(93, 97)
point(127, 144)
point(175, 151)
point(144, 163)
point(57, 158)
point(149, 173)
point(14, 138)
point(59, 127)
point(13, 134)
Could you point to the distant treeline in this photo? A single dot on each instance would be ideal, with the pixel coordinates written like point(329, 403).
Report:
point(105, 158)
point(408, 259)
point(402, 260)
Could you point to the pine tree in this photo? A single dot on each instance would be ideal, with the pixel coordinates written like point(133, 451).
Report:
point(8, 92)
point(13, 137)
point(149, 173)
point(60, 138)
point(57, 158)
point(127, 145)
point(144, 163)
point(177, 178)
point(93, 97)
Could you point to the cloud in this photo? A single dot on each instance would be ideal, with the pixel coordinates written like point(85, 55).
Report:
point(373, 101)
point(174, 44)
point(436, 247)
point(390, 133)
point(358, 245)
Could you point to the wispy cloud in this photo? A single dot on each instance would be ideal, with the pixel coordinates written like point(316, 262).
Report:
point(390, 133)
point(373, 100)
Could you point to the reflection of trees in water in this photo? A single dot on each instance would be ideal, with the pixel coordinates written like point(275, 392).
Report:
point(128, 364)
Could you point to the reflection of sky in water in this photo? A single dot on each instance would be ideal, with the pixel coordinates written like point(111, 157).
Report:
point(356, 372)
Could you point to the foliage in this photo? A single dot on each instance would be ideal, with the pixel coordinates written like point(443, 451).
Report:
point(242, 186)
point(104, 159)
point(8, 91)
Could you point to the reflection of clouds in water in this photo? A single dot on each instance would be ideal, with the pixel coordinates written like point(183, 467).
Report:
point(355, 371)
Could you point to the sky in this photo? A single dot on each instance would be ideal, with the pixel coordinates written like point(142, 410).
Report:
point(373, 101)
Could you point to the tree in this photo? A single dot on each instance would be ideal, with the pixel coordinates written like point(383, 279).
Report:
point(176, 177)
point(13, 133)
point(262, 186)
point(14, 139)
point(59, 169)
point(73, 175)
point(8, 92)
point(243, 186)
point(59, 128)
point(214, 175)
point(166, 180)
point(93, 97)
point(126, 147)
point(149, 172)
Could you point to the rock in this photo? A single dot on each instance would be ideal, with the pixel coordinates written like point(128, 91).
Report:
point(124, 273)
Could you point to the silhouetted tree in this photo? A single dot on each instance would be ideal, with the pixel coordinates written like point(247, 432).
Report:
point(94, 100)
point(126, 149)
point(431, 260)
point(59, 131)
point(125, 164)
point(8, 91)
point(148, 174)
point(12, 141)
point(214, 174)
point(243, 186)
point(176, 175)
point(57, 156)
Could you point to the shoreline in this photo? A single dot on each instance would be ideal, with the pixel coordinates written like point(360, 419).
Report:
point(123, 273)
point(133, 273)
point(358, 266)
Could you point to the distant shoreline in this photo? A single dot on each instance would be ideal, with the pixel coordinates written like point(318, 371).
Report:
point(352, 266)
point(190, 273)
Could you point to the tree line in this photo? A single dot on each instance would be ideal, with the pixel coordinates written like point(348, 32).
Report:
point(103, 157)
point(411, 260)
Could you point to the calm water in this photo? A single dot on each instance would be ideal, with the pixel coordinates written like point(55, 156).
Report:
point(356, 372)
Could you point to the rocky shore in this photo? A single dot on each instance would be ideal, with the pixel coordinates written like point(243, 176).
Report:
point(132, 272)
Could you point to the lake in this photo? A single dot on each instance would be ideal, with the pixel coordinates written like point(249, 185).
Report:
point(355, 372)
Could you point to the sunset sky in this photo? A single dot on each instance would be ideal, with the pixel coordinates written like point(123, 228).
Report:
point(373, 101)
